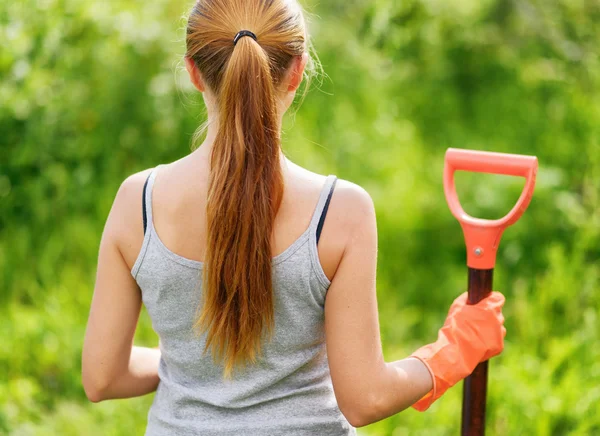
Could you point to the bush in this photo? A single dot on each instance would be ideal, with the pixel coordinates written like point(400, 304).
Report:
point(92, 92)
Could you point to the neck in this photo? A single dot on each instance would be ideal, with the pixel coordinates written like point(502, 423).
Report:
point(205, 149)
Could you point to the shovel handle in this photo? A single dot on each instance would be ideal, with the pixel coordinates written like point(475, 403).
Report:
point(492, 163)
point(475, 385)
point(483, 236)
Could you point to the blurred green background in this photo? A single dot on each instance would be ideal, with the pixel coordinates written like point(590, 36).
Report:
point(92, 91)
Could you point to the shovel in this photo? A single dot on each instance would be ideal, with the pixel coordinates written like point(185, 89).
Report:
point(482, 238)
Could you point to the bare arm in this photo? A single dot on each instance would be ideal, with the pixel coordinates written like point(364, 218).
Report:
point(366, 387)
point(111, 366)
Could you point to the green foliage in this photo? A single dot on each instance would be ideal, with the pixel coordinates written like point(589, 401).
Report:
point(91, 92)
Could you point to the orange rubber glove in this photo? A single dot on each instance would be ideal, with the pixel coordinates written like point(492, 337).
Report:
point(470, 335)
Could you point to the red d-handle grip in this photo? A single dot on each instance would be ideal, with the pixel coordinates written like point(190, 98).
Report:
point(482, 237)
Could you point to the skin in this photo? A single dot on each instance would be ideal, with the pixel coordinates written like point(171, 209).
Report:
point(366, 387)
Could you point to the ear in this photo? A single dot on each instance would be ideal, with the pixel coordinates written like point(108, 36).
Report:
point(195, 76)
point(298, 65)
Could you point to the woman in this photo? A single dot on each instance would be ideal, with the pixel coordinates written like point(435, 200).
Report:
point(258, 275)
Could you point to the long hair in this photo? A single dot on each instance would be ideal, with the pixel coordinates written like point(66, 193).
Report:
point(246, 182)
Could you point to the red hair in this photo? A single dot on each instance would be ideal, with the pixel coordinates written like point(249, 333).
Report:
point(246, 183)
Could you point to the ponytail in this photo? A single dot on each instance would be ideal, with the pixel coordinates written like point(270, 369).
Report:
point(244, 194)
point(246, 181)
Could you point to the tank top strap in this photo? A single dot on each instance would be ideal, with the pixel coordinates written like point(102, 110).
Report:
point(147, 199)
point(316, 222)
point(147, 220)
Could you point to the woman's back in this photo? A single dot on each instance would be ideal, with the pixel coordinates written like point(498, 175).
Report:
point(289, 388)
point(182, 195)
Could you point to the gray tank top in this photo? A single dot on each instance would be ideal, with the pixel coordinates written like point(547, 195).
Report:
point(288, 392)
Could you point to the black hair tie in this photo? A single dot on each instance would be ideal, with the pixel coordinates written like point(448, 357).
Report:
point(243, 33)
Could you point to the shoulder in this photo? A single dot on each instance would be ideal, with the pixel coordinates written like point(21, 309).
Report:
point(350, 220)
point(353, 198)
point(124, 226)
point(127, 206)
point(350, 201)
point(131, 188)
point(352, 216)
point(352, 206)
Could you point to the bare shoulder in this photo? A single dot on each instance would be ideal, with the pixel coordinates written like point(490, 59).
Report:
point(351, 213)
point(124, 225)
point(133, 185)
point(352, 200)
point(351, 210)
point(128, 201)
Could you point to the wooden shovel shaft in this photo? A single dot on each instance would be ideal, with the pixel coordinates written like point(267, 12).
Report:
point(475, 385)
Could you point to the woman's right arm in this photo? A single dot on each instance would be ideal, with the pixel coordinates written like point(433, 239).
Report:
point(367, 388)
